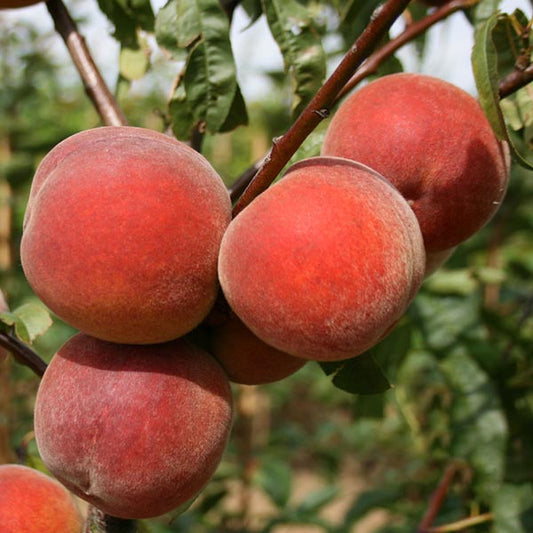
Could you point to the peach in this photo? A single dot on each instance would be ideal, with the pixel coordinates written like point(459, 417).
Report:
point(246, 358)
point(122, 232)
point(434, 260)
point(135, 430)
point(32, 502)
point(433, 142)
point(324, 261)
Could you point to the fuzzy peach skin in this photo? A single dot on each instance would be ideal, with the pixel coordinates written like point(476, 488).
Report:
point(433, 142)
point(246, 358)
point(134, 430)
point(122, 232)
point(32, 502)
point(324, 261)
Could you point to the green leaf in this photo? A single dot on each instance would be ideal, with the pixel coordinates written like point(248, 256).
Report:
point(29, 320)
point(372, 499)
point(444, 318)
point(301, 47)
point(181, 113)
point(355, 15)
point(513, 509)
point(496, 45)
point(206, 90)
point(478, 423)
point(165, 30)
point(483, 10)
point(316, 500)
point(128, 16)
point(133, 62)
point(456, 281)
point(275, 478)
point(359, 375)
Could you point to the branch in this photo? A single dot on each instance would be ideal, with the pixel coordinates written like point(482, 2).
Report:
point(437, 499)
point(284, 147)
point(98, 522)
point(371, 65)
point(515, 80)
point(95, 87)
point(22, 353)
point(463, 524)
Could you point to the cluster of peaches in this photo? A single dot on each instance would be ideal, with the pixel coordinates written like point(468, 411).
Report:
point(129, 238)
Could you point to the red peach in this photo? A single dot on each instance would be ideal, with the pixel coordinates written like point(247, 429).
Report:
point(32, 502)
point(134, 430)
point(434, 260)
point(324, 261)
point(246, 358)
point(122, 232)
point(433, 142)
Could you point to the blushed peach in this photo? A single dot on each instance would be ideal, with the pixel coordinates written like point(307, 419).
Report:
point(122, 233)
point(323, 262)
point(432, 141)
point(32, 502)
point(246, 358)
point(134, 430)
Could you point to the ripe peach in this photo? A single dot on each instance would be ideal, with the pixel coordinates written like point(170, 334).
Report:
point(246, 358)
point(433, 142)
point(434, 260)
point(323, 262)
point(122, 232)
point(134, 430)
point(32, 502)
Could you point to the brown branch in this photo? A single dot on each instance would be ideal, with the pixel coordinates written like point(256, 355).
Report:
point(22, 353)
point(240, 184)
point(437, 499)
point(95, 87)
point(284, 147)
point(515, 80)
point(413, 30)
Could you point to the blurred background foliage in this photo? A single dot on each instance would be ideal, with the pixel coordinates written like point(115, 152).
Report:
point(305, 456)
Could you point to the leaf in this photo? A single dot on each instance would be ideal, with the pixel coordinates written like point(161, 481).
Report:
point(301, 47)
point(513, 509)
point(206, 90)
point(359, 375)
point(316, 500)
point(29, 320)
point(483, 10)
point(478, 423)
point(493, 55)
point(444, 318)
point(372, 499)
point(128, 16)
point(133, 62)
point(182, 115)
point(456, 281)
point(275, 478)
point(165, 30)
point(253, 9)
point(355, 16)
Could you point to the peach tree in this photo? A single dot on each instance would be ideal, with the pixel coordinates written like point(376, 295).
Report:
point(383, 239)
